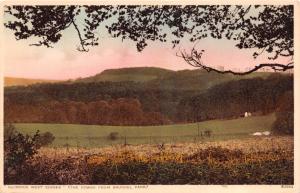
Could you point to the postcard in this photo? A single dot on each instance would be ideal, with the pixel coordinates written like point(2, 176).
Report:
point(149, 96)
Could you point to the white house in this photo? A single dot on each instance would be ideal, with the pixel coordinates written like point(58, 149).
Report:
point(257, 134)
point(247, 114)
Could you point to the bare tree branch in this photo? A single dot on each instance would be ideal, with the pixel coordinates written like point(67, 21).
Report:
point(80, 38)
point(194, 59)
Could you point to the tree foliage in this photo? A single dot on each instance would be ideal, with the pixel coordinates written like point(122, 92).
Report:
point(267, 29)
point(18, 148)
point(232, 99)
point(128, 103)
point(45, 139)
point(284, 123)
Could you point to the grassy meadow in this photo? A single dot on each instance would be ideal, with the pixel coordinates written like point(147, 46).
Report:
point(97, 136)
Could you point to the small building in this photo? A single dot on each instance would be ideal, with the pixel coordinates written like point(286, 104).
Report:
point(257, 134)
point(247, 114)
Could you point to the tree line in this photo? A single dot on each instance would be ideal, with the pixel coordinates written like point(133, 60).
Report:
point(232, 99)
point(112, 112)
point(129, 103)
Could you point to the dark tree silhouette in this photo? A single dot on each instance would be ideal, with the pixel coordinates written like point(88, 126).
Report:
point(268, 29)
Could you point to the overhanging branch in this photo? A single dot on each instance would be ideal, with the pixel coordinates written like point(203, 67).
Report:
point(79, 35)
point(194, 59)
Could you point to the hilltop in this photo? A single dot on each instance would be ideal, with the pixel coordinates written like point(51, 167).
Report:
point(151, 76)
point(135, 74)
point(167, 79)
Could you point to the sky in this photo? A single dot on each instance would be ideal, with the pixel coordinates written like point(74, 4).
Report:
point(64, 62)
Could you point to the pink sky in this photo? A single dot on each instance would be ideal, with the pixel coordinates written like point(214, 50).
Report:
point(65, 62)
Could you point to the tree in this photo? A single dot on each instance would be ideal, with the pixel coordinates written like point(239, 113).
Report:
point(18, 149)
point(45, 139)
point(269, 29)
point(284, 123)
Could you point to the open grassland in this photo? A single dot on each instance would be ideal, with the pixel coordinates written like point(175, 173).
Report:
point(254, 145)
point(260, 160)
point(265, 160)
point(97, 136)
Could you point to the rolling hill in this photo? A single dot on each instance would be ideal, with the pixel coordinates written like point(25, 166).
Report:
point(155, 97)
point(198, 79)
point(13, 81)
point(97, 135)
point(167, 79)
point(151, 76)
point(138, 74)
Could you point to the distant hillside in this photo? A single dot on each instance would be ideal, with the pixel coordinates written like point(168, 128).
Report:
point(150, 76)
point(167, 79)
point(12, 81)
point(154, 102)
point(138, 74)
point(199, 79)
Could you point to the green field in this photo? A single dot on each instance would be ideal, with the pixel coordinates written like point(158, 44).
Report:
point(97, 136)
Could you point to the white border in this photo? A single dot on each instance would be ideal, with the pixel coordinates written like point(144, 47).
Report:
point(162, 188)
